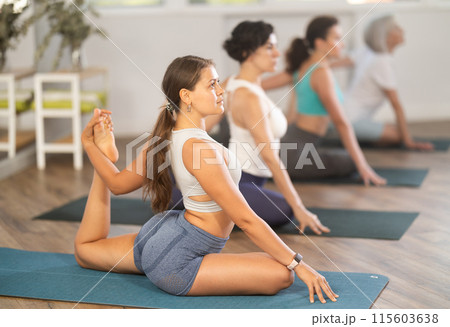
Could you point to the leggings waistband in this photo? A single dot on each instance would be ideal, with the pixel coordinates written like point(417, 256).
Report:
point(199, 234)
point(249, 178)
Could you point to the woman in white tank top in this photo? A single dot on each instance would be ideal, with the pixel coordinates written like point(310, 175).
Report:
point(256, 127)
point(179, 251)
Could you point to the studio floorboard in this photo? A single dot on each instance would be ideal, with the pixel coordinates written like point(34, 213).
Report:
point(418, 264)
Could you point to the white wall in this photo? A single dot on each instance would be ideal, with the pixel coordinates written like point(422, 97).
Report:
point(22, 57)
point(151, 38)
point(150, 43)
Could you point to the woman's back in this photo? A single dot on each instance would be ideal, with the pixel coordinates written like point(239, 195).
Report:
point(373, 75)
point(313, 115)
point(308, 101)
point(201, 210)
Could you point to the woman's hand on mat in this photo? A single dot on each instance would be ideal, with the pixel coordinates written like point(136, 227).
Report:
point(315, 282)
point(308, 219)
point(87, 136)
point(424, 146)
point(368, 176)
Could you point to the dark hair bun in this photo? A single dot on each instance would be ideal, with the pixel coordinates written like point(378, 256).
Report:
point(246, 37)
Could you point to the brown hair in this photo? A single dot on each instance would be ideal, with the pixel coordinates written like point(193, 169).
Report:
point(298, 52)
point(182, 73)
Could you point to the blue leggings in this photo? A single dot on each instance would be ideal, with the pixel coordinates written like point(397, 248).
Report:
point(269, 205)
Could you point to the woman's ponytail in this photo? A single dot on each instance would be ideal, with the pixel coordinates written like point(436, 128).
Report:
point(159, 185)
point(297, 54)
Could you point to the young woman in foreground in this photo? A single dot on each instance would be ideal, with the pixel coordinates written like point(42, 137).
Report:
point(318, 100)
point(256, 126)
point(179, 251)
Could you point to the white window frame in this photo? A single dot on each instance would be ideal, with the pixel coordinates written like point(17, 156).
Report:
point(267, 6)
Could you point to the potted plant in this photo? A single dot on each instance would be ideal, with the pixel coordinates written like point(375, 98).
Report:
point(10, 26)
point(68, 20)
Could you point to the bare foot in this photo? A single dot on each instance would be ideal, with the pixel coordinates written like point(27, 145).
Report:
point(104, 138)
point(87, 135)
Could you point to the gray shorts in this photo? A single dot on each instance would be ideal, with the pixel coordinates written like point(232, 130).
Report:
point(169, 250)
point(366, 130)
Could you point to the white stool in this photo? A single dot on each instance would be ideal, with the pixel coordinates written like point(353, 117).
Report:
point(72, 104)
point(73, 113)
point(13, 97)
point(65, 104)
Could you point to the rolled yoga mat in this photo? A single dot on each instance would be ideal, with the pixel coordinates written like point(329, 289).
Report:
point(395, 177)
point(343, 223)
point(57, 276)
point(441, 145)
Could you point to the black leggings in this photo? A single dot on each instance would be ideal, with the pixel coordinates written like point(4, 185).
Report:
point(336, 161)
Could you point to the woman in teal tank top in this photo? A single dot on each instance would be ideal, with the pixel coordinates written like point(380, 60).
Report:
point(308, 101)
point(317, 100)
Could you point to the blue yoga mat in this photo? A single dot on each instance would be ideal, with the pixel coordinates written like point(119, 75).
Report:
point(57, 276)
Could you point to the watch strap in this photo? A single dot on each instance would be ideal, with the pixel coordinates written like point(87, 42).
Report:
point(295, 261)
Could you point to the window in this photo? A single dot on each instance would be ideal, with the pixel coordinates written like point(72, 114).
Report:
point(128, 3)
point(357, 2)
point(225, 2)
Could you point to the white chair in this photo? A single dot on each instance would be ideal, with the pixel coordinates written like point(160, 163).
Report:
point(63, 104)
point(13, 102)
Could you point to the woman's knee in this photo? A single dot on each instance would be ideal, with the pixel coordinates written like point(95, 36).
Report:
point(273, 211)
point(337, 163)
point(278, 201)
point(288, 278)
point(80, 254)
point(284, 278)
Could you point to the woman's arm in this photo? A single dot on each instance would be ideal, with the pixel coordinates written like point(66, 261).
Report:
point(292, 108)
point(215, 179)
point(256, 121)
point(392, 95)
point(276, 81)
point(119, 182)
point(342, 62)
point(322, 82)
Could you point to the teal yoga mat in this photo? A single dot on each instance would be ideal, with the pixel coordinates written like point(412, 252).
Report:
point(388, 225)
point(343, 223)
point(441, 145)
point(394, 176)
point(123, 211)
point(57, 276)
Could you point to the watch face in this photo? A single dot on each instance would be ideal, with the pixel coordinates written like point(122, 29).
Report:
point(298, 257)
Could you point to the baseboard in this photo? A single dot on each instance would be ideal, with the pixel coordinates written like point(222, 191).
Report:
point(24, 158)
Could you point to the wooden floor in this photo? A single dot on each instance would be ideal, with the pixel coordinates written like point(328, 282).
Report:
point(418, 265)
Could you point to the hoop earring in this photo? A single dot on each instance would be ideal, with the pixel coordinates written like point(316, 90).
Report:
point(189, 108)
